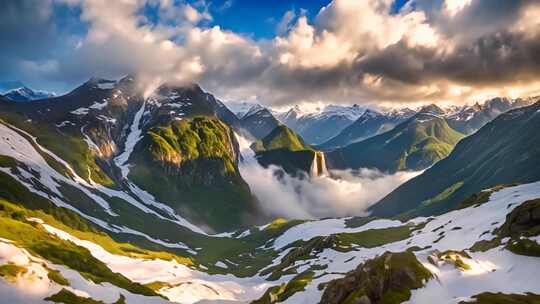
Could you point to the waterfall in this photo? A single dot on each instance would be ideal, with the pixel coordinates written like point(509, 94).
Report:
point(318, 166)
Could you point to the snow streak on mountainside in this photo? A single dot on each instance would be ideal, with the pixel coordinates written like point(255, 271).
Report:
point(26, 94)
point(20, 149)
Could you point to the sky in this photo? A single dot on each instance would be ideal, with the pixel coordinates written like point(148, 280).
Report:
point(281, 53)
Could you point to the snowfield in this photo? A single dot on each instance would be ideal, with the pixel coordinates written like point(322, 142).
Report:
point(496, 270)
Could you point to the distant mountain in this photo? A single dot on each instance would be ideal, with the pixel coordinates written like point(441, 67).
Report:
point(239, 108)
point(414, 144)
point(259, 121)
point(284, 148)
point(469, 119)
point(317, 127)
point(505, 150)
point(371, 123)
point(26, 94)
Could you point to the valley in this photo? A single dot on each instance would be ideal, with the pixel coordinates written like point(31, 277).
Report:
point(278, 152)
point(154, 209)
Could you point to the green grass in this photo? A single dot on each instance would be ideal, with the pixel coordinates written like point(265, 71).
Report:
point(481, 197)
point(73, 224)
point(190, 139)
point(500, 298)
point(68, 145)
point(67, 297)
point(356, 222)
point(524, 247)
point(11, 271)
point(376, 237)
point(39, 242)
point(443, 195)
point(455, 258)
point(302, 251)
point(57, 277)
point(281, 138)
point(284, 291)
point(411, 145)
point(191, 165)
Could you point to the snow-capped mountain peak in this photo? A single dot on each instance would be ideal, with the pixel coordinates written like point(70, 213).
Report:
point(27, 94)
point(254, 110)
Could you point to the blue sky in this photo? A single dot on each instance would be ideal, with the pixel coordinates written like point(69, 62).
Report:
point(259, 18)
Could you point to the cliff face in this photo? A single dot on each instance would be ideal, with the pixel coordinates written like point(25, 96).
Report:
point(192, 165)
point(186, 149)
point(388, 278)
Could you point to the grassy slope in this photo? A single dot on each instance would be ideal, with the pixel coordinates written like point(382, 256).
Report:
point(284, 148)
point(281, 138)
point(191, 165)
point(212, 249)
point(412, 145)
point(68, 145)
point(13, 226)
point(504, 151)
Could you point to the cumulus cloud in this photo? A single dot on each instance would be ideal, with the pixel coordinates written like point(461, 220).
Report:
point(347, 193)
point(351, 51)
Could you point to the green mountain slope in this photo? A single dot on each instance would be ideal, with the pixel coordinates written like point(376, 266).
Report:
point(506, 150)
point(413, 145)
point(191, 164)
point(284, 148)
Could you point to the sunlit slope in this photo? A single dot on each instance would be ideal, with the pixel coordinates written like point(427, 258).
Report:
point(506, 150)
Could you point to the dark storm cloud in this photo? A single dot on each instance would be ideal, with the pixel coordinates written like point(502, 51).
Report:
point(494, 58)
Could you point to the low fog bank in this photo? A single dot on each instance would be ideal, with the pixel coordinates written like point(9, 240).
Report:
point(347, 193)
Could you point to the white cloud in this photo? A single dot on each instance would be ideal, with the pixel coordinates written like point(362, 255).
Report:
point(350, 52)
point(347, 193)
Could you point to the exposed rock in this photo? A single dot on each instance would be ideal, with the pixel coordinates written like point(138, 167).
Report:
point(388, 278)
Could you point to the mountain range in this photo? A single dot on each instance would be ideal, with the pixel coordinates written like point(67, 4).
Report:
point(504, 151)
point(369, 124)
point(319, 126)
point(117, 194)
point(414, 144)
point(18, 91)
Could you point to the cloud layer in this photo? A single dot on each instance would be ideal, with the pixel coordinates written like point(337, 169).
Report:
point(346, 194)
point(350, 52)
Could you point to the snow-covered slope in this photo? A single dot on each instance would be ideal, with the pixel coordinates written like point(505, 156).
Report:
point(448, 246)
point(259, 121)
point(26, 94)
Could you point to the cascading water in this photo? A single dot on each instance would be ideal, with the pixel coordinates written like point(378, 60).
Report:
point(318, 166)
